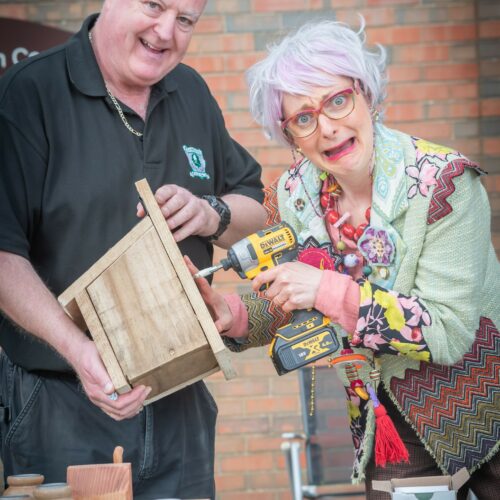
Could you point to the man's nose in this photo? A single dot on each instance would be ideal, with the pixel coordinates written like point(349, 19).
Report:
point(165, 25)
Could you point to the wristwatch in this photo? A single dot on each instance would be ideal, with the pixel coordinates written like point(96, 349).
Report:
point(221, 207)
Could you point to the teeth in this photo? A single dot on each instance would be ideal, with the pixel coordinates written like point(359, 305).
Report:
point(150, 46)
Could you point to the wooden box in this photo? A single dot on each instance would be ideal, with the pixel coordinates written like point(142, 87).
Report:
point(145, 313)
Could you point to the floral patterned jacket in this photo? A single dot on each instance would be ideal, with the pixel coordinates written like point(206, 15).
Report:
point(429, 317)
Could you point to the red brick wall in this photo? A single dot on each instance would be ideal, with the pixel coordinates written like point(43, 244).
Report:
point(444, 69)
point(444, 86)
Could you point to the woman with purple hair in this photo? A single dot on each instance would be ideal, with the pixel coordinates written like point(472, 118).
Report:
point(395, 249)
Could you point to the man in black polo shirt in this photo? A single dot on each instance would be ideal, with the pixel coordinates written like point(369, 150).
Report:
point(79, 124)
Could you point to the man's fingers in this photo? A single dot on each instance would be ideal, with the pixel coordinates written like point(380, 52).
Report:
point(191, 227)
point(164, 193)
point(121, 406)
point(129, 407)
point(99, 387)
point(109, 388)
point(140, 210)
point(181, 212)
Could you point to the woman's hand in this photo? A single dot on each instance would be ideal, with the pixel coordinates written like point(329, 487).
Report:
point(293, 285)
point(219, 310)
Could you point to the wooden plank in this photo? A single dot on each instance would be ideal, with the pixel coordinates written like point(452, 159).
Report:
point(68, 296)
point(102, 343)
point(180, 372)
point(144, 311)
point(199, 307)
point(192, 380)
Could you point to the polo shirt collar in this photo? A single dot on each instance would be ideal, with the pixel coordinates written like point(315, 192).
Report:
point(84, 71)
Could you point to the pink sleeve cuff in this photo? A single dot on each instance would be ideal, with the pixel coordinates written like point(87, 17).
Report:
point(239, 327)
point(338, 298)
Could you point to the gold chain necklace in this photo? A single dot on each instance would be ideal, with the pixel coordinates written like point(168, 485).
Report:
point(117, 105)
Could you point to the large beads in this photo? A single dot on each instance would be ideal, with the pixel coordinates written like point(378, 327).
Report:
point(367, 270)
point(332, 216)
point(324, 200)
point(368, 213)
point(383, 272)
point(359, 231)
point(351, 260)
point(348, 230)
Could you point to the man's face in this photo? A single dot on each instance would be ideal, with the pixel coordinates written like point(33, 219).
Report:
point(144, 40)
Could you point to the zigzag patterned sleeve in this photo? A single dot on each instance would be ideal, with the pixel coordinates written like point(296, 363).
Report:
point(271, 204)
point(264, 318)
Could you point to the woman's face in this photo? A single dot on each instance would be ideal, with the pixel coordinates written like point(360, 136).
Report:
point(342, 146)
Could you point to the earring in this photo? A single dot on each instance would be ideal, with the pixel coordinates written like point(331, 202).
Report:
point(375, 115)
point(296, 150)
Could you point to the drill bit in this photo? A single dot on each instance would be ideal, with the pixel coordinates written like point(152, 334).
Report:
point(208, 271)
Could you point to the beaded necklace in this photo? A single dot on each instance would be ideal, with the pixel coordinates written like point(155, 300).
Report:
point(329, 201)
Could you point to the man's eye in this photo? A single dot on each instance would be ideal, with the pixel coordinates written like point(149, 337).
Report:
point(153, 5)
point(185, 22)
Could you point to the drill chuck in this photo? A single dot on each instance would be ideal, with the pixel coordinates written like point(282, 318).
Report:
point(258, 252)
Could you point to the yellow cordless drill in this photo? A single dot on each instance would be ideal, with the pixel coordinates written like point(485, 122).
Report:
point(309, 336)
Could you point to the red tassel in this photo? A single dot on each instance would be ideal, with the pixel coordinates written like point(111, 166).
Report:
point(388, 445)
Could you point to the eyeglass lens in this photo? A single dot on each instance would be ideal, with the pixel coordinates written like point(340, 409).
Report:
point(335, 106)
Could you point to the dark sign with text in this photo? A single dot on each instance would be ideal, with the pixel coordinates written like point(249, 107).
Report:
point(21, 39)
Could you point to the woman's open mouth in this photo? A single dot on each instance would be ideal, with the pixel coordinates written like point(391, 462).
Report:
point(340, 150)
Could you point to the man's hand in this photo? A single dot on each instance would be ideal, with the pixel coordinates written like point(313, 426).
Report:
point(28, 302)
point(185, 213)
point(98, 386)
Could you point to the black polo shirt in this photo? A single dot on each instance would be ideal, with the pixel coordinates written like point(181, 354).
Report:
point(68, 166)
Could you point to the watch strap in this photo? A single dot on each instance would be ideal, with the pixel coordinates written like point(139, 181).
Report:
point(222, 208)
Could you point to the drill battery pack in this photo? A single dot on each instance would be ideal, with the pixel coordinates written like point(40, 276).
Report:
point(308, 337)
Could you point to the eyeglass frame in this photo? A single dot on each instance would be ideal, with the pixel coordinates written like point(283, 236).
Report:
point(316, 112)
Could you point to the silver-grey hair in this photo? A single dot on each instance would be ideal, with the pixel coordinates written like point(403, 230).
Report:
point(311, 57)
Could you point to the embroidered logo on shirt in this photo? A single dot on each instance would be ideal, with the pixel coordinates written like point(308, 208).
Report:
point(196, 162)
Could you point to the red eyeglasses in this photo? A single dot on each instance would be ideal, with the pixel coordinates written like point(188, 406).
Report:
point(335, 106)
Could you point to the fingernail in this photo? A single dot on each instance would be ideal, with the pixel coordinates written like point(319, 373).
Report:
point(148, 390)
point(109, 387)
